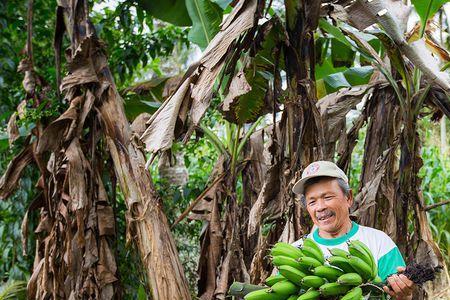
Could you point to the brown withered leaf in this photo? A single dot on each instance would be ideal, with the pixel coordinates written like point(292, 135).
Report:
point(37, 202)
point(145, 88)
point(102, 196)
point(347, 142)
point(21, 109)
point(202, 91)
point(157, 88)
point(171, 85)
point(288, 234)
point(255, 215)
point(91, 255)
point(269, 194)
point(82, 68)
point(437, 49)
point(29, 82)
point(238, 87)
point(86, 106)
point(24, 65)
point(76, 175)
point(34, 280)
point(45, 223)
point(438, 99)
point(12, 129)
point(210, 251)
point(105, 216)
point(58, 131)
point(367, 197)
point(106, 267)
point(361, 16)
point(11, 177)
point(139, 124)
point(333, 110)
point(160, 133)
point(253, 176)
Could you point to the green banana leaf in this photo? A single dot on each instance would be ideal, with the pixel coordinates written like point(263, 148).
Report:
point(171, 11)
point(206, 17)
point(341, 54)
point(427, 8)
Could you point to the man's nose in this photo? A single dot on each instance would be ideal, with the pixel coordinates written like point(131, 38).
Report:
point(321, 205)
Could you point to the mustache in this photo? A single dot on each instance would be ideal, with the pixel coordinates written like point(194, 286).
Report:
point(325, 213)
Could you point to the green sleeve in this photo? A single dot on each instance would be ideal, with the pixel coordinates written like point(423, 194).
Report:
point(388, 263)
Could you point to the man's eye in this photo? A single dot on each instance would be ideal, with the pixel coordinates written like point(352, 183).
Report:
point(312, 202)
point(328, 197)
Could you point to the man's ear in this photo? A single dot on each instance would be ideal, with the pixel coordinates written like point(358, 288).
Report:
point(350, 198)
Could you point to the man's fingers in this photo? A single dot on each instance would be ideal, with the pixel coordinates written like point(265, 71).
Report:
point(401, 269)
point(388, 290)
point(397, 285)
point(406, 281)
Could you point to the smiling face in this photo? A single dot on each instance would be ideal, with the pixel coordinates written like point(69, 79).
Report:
point(328, 207)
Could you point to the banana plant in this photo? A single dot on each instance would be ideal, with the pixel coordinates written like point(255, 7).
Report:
point(412, 93)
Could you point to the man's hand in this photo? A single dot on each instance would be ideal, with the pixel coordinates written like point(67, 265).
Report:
point(401, 286)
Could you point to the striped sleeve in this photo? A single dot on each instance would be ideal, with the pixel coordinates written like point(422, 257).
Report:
point(388, 263)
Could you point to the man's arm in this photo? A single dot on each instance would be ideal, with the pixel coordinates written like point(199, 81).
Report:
point(401, 286)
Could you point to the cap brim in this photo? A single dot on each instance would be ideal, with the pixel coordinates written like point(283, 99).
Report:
point(299, 186)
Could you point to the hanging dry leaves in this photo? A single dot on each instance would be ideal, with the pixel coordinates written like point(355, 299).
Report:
point(194, 93)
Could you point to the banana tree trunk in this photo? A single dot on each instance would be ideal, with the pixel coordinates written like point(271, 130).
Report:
point(380, 137)
point(147, 223)
point(298, 135)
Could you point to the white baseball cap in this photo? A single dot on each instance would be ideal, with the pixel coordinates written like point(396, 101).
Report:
point(317, 169)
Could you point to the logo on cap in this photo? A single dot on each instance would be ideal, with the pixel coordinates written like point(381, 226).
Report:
point(312, 169)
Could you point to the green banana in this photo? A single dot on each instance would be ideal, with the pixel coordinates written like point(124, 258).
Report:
point(312, 252)
point(353, 279)
point(309, 295)
point(291, 273)
point(355, 249)
point(285, 288)
point(377, 279)
point(284, 260)
point(365, 248)
point(354, 294)
point(361, 267)
point(271, 280)
point(338, 252)
point(265, 294)
point(310, 243)
point(309, 262)
point(328, 272)
point(312, 281)
point(340, 262)
point(286, 249)
point(333, 289)
point(293, 297)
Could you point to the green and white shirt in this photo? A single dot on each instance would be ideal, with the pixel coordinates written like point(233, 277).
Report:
point(384, 250)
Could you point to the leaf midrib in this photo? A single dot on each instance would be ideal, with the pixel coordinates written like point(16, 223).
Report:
point(201, 20)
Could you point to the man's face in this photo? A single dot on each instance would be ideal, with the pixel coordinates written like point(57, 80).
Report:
point(327, 205)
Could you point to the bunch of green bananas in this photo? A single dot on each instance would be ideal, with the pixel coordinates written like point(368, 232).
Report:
point(304, 274)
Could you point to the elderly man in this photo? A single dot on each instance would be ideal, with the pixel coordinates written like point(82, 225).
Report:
point(327, 197)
